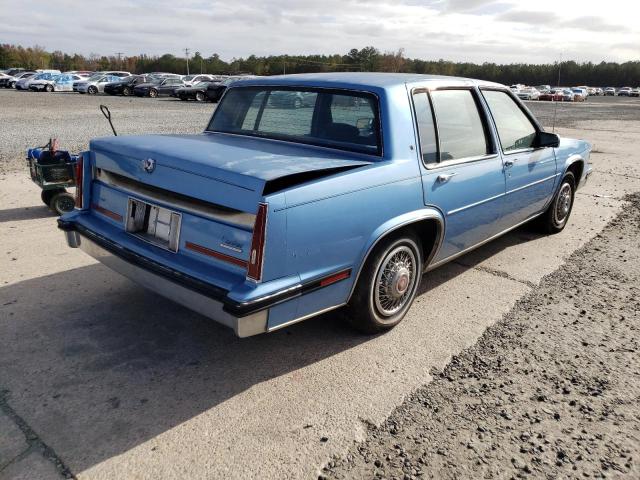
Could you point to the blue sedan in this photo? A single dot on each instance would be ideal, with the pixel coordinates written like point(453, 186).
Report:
point(276, 214)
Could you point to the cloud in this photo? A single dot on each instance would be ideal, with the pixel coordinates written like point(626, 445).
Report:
point(458, 30)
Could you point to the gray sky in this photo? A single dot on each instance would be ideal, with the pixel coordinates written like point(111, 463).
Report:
point(461, 30)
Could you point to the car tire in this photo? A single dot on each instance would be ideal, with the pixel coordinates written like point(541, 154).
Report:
point(62, 203)
point(92, 90)
point(47, 195)
point(48, 88)
point(126, 91)
point(387, 285)
point(12, 84)
point(557, 215)
point(200, 97)
point(153, 93)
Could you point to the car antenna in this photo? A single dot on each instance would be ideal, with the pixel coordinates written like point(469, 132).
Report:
point(107, 114)
point(555, 107)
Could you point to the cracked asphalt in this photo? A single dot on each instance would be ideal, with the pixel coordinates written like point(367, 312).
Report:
point(102, 379)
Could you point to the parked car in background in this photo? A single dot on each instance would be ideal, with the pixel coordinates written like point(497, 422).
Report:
point(625, 92)
point(635, 92)
point(567, 95)
point(158, 87)
point(599, 91)
point(124, 86)
point(273, 215)
point(610, 91)
point(294, 99)
point(554, 95)
point(196, 92)
point(94, 84)
point(12, 72)
point(43, 85)
point(24, 82)
point(64, 82)
point(10, 82)
point(528, 93)
point(543, 88)
point(190, 80)
point(580, 94)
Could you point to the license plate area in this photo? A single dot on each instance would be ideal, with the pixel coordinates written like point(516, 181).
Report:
point(151, 223)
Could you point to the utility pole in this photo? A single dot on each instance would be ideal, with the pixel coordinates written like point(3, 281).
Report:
point(186, 54)
point(120, 58)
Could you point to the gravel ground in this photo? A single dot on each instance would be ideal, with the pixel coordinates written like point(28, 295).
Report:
point(551, 391)
point(75, 119)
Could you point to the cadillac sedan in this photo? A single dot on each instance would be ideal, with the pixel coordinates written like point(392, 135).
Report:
point(274, 215)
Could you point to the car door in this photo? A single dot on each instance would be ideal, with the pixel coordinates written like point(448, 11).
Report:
point(530, 171)
point(462, 173)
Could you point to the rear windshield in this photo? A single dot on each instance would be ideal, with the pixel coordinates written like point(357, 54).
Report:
point(331, 118)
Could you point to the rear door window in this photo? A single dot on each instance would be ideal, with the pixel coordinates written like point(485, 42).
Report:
point(515, 130)
point(461, 129)
point(426, 127)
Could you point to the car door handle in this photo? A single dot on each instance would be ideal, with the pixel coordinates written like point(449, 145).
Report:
point(510, 162)
point(445, 177)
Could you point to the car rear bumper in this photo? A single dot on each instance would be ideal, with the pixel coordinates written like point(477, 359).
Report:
point(207, 300)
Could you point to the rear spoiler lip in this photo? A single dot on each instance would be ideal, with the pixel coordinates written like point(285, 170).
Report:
point(236, 308)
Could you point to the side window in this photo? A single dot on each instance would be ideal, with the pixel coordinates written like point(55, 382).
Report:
point(426, 128)
point(460, 126)
point(514, 128)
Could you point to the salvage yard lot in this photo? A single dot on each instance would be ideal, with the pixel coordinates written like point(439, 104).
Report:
point(102, 379)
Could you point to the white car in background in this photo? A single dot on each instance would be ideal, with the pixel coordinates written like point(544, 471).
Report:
point(580, 94)
point(60, 83)
point(94, 84)
point(528, 93)
point(191, 80)
point(23, 83)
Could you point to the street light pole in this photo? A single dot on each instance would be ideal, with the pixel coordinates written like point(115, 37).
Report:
point(186, 53)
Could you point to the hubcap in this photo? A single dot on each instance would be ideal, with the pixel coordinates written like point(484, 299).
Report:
point(395, 281)
point(563, 203)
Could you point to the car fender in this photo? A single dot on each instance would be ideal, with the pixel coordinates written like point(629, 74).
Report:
point(394, 224)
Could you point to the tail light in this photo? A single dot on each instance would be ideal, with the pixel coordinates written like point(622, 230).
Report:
point(79, 181)
point(256, 255)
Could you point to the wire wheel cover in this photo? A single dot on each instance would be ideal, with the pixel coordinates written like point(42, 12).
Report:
point(395, 281)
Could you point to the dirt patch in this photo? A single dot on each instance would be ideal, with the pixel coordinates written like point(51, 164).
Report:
point(551, 391)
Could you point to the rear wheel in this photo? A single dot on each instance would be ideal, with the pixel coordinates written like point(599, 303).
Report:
point(126, 91)
point(92, 90)
point(63, 203)
point(557, 215)
point(49, 88)
point(200, 97)
point(153, 93)
point(387, 285)
point(47, 195)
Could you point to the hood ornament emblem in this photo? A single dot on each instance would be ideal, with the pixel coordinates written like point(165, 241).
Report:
point(148, 165)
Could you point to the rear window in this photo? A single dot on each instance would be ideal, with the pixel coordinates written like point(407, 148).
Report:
point(332, 118)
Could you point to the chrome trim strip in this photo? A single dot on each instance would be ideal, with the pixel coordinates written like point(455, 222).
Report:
point(475, 204)
point(297, 286)
point(459, 161)
point(304, 317)
point(532, 183)
point(231, 247)
point(132, 187)
point(486, 240)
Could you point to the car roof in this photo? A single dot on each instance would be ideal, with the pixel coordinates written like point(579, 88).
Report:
point(361, 80)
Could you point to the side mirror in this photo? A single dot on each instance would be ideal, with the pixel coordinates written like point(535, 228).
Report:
point(546, 139)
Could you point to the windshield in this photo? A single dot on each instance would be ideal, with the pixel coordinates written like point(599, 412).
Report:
point(332, 118)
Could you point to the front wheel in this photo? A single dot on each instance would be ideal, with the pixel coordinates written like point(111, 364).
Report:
point(557, 215)
point(387, 285)
point(200, 97)
point(49, 88)
point(153, 93)
point(92, 90)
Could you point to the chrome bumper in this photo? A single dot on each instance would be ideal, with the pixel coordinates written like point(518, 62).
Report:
point(243, 326)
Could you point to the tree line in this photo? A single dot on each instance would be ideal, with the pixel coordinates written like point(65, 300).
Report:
point(365, 59)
